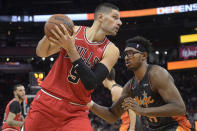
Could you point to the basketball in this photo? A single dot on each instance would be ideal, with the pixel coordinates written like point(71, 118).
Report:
point(58, 19)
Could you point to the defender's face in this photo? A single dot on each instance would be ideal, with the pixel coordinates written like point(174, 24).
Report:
point(133, 58)
point(20, 92)
point(111, 22)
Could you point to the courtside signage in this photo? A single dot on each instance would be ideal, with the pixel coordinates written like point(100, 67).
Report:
point(186, 64)
point(177, 9)
point(188, 38)
point(123, 14)
point(188, 51)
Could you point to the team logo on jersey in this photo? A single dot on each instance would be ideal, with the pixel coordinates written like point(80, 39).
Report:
point(145, 85)
point(145, 101)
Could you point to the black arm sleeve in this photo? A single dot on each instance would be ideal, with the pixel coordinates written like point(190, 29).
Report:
point(15, 107)
point(90, 77)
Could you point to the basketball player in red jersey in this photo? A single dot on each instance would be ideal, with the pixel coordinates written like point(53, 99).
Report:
point(13, 119)
point(84, 61)
point(151, 94)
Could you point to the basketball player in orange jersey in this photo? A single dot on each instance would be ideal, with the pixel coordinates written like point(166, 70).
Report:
point(151, 93)
point(13, 118)
point(84, 61)
point(129, 120)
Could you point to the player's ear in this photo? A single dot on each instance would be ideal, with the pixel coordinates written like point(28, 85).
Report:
point(144, 55)
point(100, 17)
point(14, 92)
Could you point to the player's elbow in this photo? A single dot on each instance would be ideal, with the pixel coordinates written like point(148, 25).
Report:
point(181, 109)
point(40, 53)
point(90, 84)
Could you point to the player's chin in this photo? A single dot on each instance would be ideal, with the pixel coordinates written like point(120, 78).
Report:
point(23, 97)
point(113, 33)
point(130, 67)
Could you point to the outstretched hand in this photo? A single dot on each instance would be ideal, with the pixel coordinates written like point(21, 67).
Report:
point(62, 38)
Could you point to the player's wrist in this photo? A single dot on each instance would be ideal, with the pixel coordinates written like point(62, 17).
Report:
point(115, 84)
point(90, 104)
point(110, 85)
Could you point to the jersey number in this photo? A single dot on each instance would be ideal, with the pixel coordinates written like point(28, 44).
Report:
point(73, 77)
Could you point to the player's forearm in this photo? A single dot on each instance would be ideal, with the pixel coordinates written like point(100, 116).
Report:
point(22, 119)
point(43, 47)
point(14, 123)
point(132, 117)
point(72, 53)
point(104, 113)
point(167, 110)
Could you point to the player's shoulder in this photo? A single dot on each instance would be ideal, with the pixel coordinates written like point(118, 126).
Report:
point(76, 28)
point(14, 103)
point(158, 73)
point(112, 47)
point(157, 70)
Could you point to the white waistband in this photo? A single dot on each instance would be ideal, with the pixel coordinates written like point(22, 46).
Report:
point(8, 129)
point(60, 98)
point(76, 104)
point(51, 95)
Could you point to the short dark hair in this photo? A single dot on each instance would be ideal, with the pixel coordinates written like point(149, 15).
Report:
point(104, 8)
point(15, 87)
point(112, 74)
point(140, 40)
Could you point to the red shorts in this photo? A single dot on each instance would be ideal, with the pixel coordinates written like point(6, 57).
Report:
point(49, 113)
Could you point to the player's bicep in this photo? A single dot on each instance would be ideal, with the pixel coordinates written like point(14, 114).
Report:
point(165, 86)
point(110, 56)
point(11, 116)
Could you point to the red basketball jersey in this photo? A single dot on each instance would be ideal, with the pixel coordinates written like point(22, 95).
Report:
point(63, 81)
point(17, 117)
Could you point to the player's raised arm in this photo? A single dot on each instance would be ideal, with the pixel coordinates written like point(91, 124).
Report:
point(98, 32)
point(46, 48)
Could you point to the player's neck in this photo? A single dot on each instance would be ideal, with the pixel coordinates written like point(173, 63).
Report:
point(95, 34)
point(19, 100)
point(141, 71)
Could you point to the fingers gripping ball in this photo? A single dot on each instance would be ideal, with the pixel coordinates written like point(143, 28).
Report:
point(58, 19)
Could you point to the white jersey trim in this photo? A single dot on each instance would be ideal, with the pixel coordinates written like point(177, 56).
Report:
point(93, 43)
